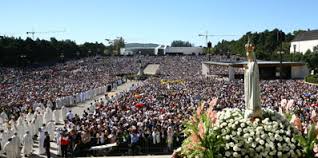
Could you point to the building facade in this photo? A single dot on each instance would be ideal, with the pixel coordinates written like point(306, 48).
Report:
point(304, 41)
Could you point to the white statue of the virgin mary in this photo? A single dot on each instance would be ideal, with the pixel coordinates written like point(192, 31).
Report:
point(251, 85)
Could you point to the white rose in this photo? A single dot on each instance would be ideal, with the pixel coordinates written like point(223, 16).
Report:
point(231, 144)
point(236, 148)
point(298, 152)
point(235, 154)
point(279, 154)
point(249, 140)
point(272, 153)
point(253, 145)
point(227, 154)
point(263, 136)
point(261, 142)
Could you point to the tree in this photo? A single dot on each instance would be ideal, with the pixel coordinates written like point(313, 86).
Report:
point(117, 44)
point(29, 52)
point(180, 43)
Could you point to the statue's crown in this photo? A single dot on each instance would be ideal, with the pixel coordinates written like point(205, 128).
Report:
point(249, 47)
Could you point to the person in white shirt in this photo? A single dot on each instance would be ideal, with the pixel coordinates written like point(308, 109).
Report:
point(70, 116)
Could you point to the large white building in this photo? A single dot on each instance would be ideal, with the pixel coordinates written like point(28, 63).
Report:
point(304, 41)
point(161, 50)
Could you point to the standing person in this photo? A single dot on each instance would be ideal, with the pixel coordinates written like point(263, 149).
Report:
point(64, 144)
point(41, 141)
point(47, 145)
point(10, 149)
point(69, 116)
point(3, 139)
point(63, 113)
point(56, 116)
point(58, 141)
point(170, 134)
point(27, 144)
point(17, 144)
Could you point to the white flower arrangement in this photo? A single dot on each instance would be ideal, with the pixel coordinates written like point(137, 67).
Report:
point(271, 136)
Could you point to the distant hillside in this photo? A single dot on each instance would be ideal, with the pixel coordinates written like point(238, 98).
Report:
point(128, 45)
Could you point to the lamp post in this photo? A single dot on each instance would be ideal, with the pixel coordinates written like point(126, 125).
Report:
point(280, 39)
point(23, 57)
point(209, 49)
point(294, 51)
point(62, 57)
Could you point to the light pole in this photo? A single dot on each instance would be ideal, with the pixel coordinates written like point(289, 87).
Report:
point(23, 57)
point(209, 49)
point(294, 51)
point(77, 54)
point(62, 57)
point(280, 39)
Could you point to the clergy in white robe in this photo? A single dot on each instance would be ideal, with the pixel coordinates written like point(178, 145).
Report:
point(56, 116)
point(41, 141)
point(20, 129)
point(170, 134)
point(3, 140)
point(39, 119)
point(17, 144)
point(27, 144)
point(48, 115)
point(29, 116)
point(1, 122)
point(58, 141)
point(4, 116)
point(31, 128)
point(63, 113)
point(51, 129)
point(10, 149)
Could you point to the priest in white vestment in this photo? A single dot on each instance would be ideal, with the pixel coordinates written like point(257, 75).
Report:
point(51, 129)
point(27, 144)
point(10, 149)
point(56, 116)
point(41, 141)
point(63, 113)
point(3, 140)
point(17, 144)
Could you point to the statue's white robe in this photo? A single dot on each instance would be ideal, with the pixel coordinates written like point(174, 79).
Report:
point(252, 90)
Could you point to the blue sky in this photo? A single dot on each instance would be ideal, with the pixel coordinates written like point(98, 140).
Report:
point(157, 21)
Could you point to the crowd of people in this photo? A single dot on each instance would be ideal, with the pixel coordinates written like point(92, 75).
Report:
point(147, 118)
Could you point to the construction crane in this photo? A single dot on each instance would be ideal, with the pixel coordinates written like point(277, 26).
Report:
point(207, 35)
point(44, 32)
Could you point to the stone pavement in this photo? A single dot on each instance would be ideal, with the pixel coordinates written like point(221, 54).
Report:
point(79, 109)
